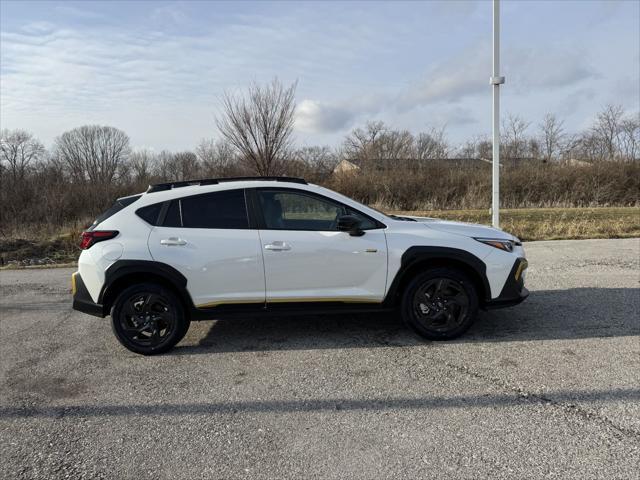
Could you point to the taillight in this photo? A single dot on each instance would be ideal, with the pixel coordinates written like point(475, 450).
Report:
point(88, 239)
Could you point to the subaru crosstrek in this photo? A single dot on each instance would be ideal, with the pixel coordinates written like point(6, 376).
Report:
point(216, 248)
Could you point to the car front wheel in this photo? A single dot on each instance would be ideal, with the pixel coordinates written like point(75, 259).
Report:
point(440, 304)
point(148, 319)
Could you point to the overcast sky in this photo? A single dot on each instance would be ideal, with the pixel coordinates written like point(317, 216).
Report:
point(157, 69)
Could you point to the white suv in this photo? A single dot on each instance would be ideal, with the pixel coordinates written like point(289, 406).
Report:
point(275, 245)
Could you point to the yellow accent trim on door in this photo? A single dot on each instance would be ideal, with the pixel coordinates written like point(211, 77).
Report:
point(323, 299)
point(289, 300)
point(227, 302)
point(74, 288)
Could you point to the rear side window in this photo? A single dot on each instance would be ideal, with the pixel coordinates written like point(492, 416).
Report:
point(113, 209)
point(150, 213)
point(173, 218)
point(226, 209)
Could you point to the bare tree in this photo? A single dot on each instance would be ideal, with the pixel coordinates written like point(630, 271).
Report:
point(607, 129)
point(216, 157)
point(142, 163)
point(394, 146)
point(93, 152)
point(630, 137)
point(552, 134)
point(363, 144)
point(432, 145)
point(377, 145)
point(514, 128)
point(187, 165)
point(18, 149)
point(321, 160)
point(260, 126)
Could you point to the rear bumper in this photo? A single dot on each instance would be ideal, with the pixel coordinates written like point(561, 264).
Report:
point(82, 301)
point(514, 291)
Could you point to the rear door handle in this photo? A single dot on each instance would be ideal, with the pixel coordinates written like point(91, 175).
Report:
point(172, 241)
point(277, 246)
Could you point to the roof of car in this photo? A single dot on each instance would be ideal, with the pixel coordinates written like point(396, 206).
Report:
point(161, 187)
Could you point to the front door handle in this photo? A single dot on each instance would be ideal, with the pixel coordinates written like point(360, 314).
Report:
point(277, 246)
point(172, 241)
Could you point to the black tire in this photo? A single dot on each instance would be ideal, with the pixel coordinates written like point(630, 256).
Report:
point(148, 318)
point(440, 304)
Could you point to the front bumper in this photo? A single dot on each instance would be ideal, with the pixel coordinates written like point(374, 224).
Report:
point(82, 301)
point(514, 291)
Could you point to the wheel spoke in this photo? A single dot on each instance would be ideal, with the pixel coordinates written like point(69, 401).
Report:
point(460, 299)
point(441, 304)
point(439, 286)
point(147, 319)
point(135, 329)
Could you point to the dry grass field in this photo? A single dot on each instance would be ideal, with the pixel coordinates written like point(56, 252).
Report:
point(553, 223)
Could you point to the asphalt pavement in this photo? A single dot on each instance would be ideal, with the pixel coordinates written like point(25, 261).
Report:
point(549, 388)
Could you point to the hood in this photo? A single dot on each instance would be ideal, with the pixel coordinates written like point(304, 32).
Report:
point(467, 229)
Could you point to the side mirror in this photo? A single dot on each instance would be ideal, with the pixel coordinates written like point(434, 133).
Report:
point(351, 224)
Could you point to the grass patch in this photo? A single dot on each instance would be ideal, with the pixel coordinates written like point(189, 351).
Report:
point(531, 224)
point(53, 250)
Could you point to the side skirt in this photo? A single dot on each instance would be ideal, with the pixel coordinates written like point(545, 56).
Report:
point(286, 309)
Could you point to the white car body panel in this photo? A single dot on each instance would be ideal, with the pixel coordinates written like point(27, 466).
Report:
point(130, 244)
point(466, 229)
point(222, 266)
point(324, 266)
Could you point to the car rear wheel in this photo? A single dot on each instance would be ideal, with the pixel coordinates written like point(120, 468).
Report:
point(148, 319)
point(440, 304)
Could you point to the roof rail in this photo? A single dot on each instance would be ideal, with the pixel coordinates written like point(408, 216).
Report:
point(159, 187)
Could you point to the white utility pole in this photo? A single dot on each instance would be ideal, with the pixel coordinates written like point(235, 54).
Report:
point(496, 81)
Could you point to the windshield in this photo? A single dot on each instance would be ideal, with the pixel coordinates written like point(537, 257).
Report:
point(361, 204)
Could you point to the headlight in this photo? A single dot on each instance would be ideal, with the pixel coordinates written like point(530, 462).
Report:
point(506, 245)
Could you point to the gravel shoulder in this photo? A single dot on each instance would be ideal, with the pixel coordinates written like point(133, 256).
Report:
point(549, 388)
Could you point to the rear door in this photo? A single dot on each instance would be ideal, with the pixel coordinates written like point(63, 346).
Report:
point(307, 259)
point(207, 238)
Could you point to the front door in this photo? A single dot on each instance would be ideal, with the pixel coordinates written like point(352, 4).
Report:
point(307, 259)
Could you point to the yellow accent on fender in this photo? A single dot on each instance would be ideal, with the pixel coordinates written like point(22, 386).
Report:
point(289, 300)
point(74, 289)
point(523, 265)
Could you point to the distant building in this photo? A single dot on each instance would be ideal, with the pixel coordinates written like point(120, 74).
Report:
point(345, 167)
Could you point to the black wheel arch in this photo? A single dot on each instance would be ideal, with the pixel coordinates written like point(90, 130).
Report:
point(124, 273)
point(420, 258)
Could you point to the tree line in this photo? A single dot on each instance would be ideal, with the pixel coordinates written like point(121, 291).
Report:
point(86, 167)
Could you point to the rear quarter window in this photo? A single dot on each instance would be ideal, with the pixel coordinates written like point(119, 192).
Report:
point(150, 213)
point(113, 209)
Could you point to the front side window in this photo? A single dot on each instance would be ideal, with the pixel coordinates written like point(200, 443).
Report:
point(287, 210)
point(225, 209)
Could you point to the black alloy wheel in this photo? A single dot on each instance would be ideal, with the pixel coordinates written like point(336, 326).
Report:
point(440, 304)
point(148, 319)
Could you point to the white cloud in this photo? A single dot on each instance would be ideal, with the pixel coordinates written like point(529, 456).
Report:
point(312, 116)
point(452, 81)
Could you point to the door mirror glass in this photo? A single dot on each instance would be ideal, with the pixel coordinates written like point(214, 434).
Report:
point(351, 224)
